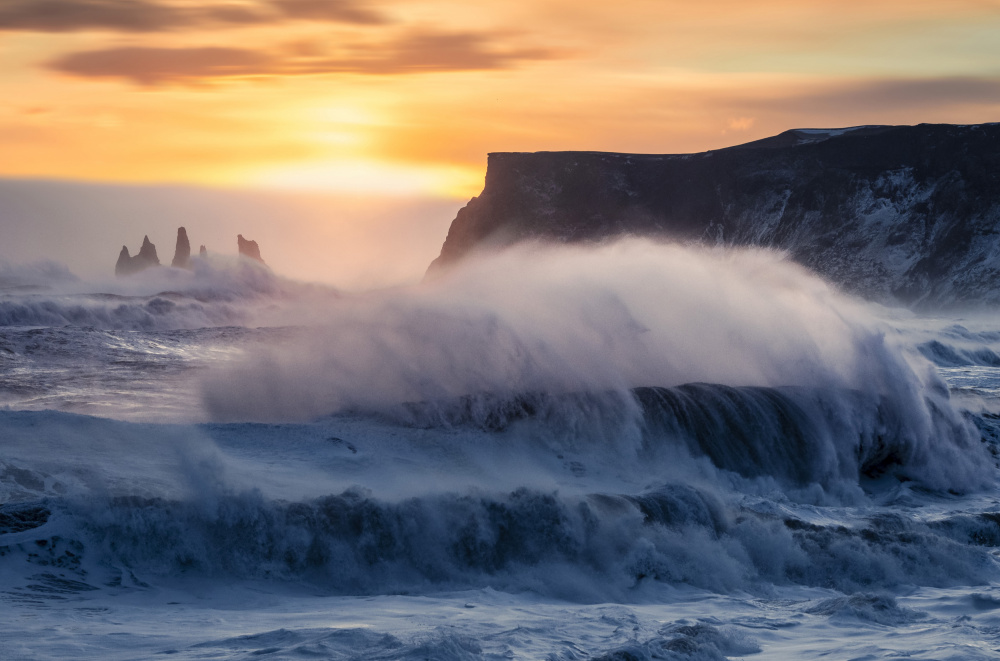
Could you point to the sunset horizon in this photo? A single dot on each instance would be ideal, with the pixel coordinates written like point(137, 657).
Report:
point(408, 98)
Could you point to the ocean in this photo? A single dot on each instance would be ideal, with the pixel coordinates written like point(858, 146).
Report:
point(621, 452)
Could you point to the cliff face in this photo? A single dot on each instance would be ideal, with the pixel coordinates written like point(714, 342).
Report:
point(905, 214)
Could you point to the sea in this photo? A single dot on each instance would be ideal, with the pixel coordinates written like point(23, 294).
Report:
point(619, 452)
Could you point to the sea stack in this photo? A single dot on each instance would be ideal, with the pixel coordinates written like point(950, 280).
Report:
point(203, 251)
point(182, 253)
point(124, 264)
point(145, 258)
point(147, 254)
point(248, 248)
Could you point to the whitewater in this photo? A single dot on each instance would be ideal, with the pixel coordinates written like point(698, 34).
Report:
point(622, 452)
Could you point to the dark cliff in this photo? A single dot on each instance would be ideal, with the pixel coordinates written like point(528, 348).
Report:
point(905, 214)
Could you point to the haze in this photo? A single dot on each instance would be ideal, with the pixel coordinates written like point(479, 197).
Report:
point(402, 100)
point(352, 242)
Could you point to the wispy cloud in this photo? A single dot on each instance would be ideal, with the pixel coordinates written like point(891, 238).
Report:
point(71, 15)
point(151, 16)
point(410, 53)
point(151, 66)
point(893, 94)
point(328, 10)
point(417, 52)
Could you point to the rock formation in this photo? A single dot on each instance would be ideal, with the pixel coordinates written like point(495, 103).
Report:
point(147, 253)
point(124, 264)
point(145, 258)
point(182, 253)
point(248, 248)
point(906, 214)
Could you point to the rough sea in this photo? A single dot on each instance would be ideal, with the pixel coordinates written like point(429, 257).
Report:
point(627, 452)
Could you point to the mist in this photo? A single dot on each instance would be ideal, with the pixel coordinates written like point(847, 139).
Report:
point(351, 242)
point(564, 319)
point(577, 329)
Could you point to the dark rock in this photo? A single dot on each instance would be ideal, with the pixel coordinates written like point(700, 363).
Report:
point(899, 214)
point(145, 258)
point(147, 253)
point(248, 248)
point(203, 252)
point(124, 264)
point(182, 253)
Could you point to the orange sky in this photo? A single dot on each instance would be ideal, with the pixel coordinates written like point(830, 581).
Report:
point(409, 96)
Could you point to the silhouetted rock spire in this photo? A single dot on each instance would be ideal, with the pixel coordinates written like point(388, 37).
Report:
point(248, 248)
point(145, 258)
point(124, 265)
point(182, 253)
point(147, 253)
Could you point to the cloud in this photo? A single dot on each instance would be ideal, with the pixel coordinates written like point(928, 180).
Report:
point(150, 66)
point(328, 10)
point(415, 52)
point(70, 15)
point(427, 52)
point(151, 16)
point(893, 94)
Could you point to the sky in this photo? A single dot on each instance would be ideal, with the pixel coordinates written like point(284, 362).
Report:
point(406, 97)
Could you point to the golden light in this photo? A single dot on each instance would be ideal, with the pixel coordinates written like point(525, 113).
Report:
point(413, 102)
point(368, 176)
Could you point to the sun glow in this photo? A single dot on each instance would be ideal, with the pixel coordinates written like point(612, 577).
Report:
point(369, 176)
point(395, 97)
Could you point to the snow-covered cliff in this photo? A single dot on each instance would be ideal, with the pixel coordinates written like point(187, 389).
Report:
point(907, 214)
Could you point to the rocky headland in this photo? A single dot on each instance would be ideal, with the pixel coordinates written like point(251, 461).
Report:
point(898, 214)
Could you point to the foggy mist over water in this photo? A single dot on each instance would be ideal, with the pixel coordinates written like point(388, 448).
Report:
point(564, 319)
point(353, 242)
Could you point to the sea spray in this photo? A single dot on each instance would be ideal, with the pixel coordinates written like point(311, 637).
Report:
point(488, 460)
point(555, 333)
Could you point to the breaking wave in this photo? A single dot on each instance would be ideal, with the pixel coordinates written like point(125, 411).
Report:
point(748, 358)
point(590, 424)
point(592, 547)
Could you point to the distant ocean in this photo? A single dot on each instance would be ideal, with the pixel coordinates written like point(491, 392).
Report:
point(627, 452)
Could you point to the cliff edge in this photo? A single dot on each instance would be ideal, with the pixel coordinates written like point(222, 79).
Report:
point(898, 214)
